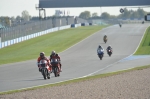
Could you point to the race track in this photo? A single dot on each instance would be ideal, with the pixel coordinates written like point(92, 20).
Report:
point(80, 60)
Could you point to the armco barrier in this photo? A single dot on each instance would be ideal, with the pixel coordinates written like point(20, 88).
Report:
point(75, 25)
point(90, 24)
point(72, 25)
point(84, 24)
point(27, 37)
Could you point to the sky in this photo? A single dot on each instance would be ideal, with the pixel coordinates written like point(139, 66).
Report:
point(15, 7)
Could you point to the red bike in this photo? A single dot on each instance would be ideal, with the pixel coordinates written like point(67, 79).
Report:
point(55, 67)
point(45, 69)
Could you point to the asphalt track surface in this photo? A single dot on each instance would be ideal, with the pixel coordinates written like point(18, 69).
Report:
point(81, 60)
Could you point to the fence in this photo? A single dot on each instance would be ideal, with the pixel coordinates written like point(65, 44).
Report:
point(12, 35)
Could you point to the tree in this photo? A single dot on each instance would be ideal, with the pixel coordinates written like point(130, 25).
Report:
point(12, 20)
point(141, 13)
point(18, 18)
point(113, 17)
point(25, 15)
point(126, 13)
point(85, 15)
point(7, 21)
point(95, 15)
point(105, 15)
point(135, 14)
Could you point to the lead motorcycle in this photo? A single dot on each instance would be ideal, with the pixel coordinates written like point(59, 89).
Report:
point(105, 40)
point(55, 67)
point(45, 69)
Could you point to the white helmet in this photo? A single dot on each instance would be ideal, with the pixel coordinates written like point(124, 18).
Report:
point(53, 53)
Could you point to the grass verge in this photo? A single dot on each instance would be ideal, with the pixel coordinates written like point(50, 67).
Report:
point(144, 48)
point(57, 41)
point(77, 80)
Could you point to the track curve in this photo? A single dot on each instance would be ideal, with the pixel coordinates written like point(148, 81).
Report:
point(79, 60)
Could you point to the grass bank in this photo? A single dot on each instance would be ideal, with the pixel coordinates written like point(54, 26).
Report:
point(144, 48)
point(57, 41)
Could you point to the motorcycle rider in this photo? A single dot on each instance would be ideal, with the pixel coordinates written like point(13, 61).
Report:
point(42, 56)
point(54, 55)
point(120, 24)
point(105, 37)
point(100, 49)
point(109, 48)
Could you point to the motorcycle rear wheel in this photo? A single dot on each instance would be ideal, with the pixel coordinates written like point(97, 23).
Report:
point(48, 75)
point(56, 71)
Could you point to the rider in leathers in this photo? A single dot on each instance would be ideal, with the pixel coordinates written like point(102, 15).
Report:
point(105, 37)
point(54, 55)
point(100, 49)
point(109, 48)
point(42, 56)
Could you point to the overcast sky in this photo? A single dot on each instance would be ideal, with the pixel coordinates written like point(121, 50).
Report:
point(15, 7)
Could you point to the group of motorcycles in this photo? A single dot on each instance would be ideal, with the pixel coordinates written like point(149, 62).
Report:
point(46, 70)
point(109, 51)
point(101, 53)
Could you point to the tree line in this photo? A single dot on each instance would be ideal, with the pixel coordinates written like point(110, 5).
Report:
point(8, 21)
point(139, 13)
point(25, 16)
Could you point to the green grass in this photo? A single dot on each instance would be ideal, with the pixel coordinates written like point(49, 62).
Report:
point(57, 41)
point(144, 48)
point(78, 80)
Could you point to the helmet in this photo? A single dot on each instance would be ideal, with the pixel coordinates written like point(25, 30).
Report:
point(53, 53)
point(42, 54)
point(109, 46)
point(99, 46)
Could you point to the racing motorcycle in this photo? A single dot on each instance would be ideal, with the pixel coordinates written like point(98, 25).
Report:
point(45, 69)
point(109, 51)
point(100, 54)
point(120, 25)
point(55, 67)
point(105, 40)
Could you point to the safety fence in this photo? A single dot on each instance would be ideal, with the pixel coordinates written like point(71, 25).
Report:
point(31, 29)
point(30, 36)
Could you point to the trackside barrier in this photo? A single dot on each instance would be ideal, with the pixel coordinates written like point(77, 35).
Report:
point(27, 37)
point(75, 25)
point(84, 24)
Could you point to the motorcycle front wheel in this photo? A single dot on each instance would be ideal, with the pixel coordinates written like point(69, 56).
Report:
point(44, 73)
